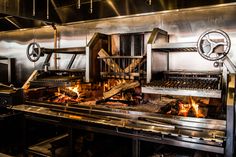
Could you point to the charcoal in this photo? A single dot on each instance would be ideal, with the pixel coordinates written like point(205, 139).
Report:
point(167, 108)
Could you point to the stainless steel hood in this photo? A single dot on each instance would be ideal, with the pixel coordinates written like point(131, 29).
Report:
point(17, 14)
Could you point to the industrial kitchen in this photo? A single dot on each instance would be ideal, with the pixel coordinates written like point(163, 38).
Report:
point(109, 78)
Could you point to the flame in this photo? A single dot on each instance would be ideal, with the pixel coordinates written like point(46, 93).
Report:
point(75, 89)
point(64, 98)
point(185, 108)
point(196, 109)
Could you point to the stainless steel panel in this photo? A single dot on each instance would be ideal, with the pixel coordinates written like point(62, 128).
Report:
point(183, 92)
point(183, 25)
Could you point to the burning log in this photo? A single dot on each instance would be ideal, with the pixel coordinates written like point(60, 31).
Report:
point(62, 98)
point(121, 87)
point(68, 92)
point(170, 108)
point(183, 108)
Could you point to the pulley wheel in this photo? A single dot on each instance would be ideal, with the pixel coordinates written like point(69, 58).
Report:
point(213, 45)
point(33, 52)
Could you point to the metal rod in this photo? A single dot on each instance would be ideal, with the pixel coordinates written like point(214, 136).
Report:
point(150, 2)
point(12, 22)
point(46, 62)
point(101, 70)
point(78, 4)
point(55, 45)
point(91, 7)
point(33, 7)
point(71, 61)
point(47, 9)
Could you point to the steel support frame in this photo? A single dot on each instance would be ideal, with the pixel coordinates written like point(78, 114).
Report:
point(230, 116)
point(136, 136)
point(10, 62)
point(156, 33)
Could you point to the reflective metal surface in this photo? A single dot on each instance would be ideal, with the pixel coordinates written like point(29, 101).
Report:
point(182, 26)
point(205, 132)
point(64, 11)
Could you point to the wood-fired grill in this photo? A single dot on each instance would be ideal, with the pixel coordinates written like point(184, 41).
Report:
point(128, 117)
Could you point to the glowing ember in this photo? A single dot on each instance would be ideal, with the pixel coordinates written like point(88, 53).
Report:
point(75, 89)
point(68, 94)
point(62, 98)
point(184, 109)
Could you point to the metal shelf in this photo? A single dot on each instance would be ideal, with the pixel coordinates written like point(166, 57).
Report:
point(176, 47)
point(182, 92)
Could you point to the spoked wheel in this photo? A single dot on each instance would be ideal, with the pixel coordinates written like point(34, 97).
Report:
point(33, 52)
point(213, 45)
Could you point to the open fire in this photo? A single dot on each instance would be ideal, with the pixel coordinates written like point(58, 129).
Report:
point(126, 94)
point(76, 94)
point(183, 108)
point(67, 94)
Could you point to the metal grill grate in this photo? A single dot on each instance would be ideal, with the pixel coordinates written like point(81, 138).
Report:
point(186, 83)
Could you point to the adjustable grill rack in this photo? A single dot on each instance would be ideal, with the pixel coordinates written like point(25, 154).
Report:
point(183, 83)
point(200, 84)
point(54, 78)
point(186, 84)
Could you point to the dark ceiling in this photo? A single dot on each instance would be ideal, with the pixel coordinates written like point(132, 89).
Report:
point(19, 14)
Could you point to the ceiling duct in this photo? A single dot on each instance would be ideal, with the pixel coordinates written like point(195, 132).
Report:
point(70, 11)
point(30, 9)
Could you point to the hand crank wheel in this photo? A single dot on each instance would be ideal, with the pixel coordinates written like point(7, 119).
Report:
point(213, 45)
point(33, 52)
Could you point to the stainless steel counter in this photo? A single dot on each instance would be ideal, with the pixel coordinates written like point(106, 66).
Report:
point(139, 125)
